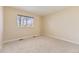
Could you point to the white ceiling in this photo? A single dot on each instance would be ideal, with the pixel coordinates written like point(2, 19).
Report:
point(41, 10)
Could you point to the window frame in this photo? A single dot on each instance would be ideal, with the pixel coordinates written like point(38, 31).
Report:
point(19, 24)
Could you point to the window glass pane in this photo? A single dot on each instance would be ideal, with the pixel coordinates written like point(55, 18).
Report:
point(25, 21)
point(22, 20)
point(18, 21)
point(29, 21)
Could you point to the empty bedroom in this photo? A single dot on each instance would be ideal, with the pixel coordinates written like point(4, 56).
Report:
point(39, 29)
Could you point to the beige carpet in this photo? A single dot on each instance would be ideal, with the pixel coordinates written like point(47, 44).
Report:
point(40, 45)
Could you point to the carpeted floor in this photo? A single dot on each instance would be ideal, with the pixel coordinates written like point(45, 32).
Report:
point(40, 44)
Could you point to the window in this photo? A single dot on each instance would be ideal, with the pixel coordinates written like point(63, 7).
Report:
point(24, 21)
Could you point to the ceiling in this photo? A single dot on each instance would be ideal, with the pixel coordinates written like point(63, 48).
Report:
point(41, 10)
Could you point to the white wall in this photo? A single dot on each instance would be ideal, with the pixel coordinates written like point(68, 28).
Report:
point(11, 30)
point(1, 26)
point(63, 25)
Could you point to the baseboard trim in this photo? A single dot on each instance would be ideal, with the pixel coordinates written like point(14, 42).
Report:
point(50, 36)
point(25, 37)
point(62, 38)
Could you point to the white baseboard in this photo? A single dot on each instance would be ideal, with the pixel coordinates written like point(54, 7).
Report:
point(25, 37)
point(62, 38)
point(50, 36)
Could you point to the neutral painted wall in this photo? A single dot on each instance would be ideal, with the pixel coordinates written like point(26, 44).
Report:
point(1, 26)
point(63, 25)
point(11, 31)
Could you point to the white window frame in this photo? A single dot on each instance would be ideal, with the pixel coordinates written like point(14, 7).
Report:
point(22, 19)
